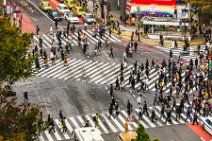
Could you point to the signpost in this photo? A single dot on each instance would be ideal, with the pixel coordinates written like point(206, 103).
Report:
point(130, 120)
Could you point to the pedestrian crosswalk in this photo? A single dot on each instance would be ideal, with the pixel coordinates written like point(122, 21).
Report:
point(176, 52)
point(110, 125)
point(78, 69)
point(95, 72)
point(47, 39)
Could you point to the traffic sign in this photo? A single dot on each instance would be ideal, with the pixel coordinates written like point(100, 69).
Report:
point(130, 118)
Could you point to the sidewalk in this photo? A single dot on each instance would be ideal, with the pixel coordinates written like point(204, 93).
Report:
point(126, 32)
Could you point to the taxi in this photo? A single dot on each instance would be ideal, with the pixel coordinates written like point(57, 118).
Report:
point(45, 5)
point(70, 3)
point(78, 11)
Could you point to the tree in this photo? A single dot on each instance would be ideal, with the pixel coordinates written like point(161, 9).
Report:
point(18, 122)
point(142, 134)
point(13, 51)
point(203, 7)
point(155, 139)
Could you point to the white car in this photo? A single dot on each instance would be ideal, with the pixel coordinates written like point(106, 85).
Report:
point(62, 9)
point(69, 16)
point(206, 123)
point(88, 17)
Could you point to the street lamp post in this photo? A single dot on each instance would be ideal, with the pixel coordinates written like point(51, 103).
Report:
point(93, 6)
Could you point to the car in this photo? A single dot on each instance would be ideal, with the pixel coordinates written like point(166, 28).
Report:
point(54, 14)
point(206, 123)
point(70, 3)
point(61, 1)
point(88, 17)
point(62, 9)
point(45, 5)
point(78, 10)
point(69, 16)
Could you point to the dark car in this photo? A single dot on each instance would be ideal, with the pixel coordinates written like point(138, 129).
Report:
point(54, 14)
point(61, 1)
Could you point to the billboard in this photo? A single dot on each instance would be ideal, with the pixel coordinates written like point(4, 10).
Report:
point(152, 9)
point(155, 2)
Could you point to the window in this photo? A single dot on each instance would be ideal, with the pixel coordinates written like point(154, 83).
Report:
point(65, 8)
point(209, 122)
point(89, 16)
point(46, 4)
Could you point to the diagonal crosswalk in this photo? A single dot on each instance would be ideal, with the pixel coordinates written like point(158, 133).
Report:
point(112, 125)
point(176, 52)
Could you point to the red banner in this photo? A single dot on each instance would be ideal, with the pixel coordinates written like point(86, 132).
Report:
point(156, 2)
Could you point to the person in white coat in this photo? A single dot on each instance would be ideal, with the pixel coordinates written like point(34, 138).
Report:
point(51, 30)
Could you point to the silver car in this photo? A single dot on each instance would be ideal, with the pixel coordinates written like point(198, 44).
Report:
point(69, 16)
point(206, 123)
point(88, 18)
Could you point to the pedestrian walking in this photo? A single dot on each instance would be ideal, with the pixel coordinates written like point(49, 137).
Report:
point(63, 123)
point(188, 115)
point(140, 113)
point(196, 63)
point(129, 107)
point(117, 84)
point(37, 29)
point(117, 108)
point(56, 24)
point(111, 111)
point(153, 116)
point(26, 98)
point(133, 83)
point(145, 108)
point(135, 46)
point(96, 120)
point(162, 112)
point(195, 118)
point(168, 117)
point(111, 52)
point(52, 125)
point(61, 115)
point(52, 58)
point(65, 60)
point(50, 30)
point(111, 89)
point(155, 99)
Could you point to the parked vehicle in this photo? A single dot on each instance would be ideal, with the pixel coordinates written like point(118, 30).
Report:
point(45, 6)
point(206, 123)
point(70, 3)
point(61, 1)
point(62, 9)
point(69, 16)
point(88, 17)
point(54, 14)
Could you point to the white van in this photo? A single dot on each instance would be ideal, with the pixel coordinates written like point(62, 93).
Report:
point(87, 134)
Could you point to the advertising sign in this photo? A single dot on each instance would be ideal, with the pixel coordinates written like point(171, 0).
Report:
point(152, 9)
point(155, 2)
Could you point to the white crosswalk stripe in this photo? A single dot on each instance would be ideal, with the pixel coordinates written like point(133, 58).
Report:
point(47, 39)
point(193, 55)
point(95, 71)
point(107, 125)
